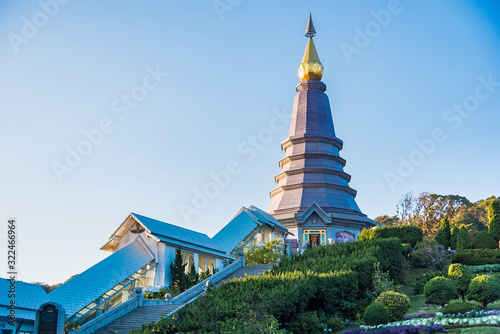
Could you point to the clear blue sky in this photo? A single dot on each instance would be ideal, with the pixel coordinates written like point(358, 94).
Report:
point(229, 70)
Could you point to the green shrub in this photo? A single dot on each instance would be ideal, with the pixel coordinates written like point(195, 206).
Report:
point(488, 268)
point(455, 307)
point(461, 277)
point(396, 303)
point(440, 291)
point(382, 281)
point(334, 323)
point(430, 255)
point(484, 289)
point(270, 252)
point(307, 322)
point(475, 257)
point(376, 314)
point(422, 280)
point(407, 234)
point(484, 240)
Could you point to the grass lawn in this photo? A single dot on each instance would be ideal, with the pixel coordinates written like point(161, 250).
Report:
point(410, 282)
point(418, 306)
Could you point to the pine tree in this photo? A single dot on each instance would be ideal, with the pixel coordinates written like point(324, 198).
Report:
point(443, 236)
point(178, 271)
point(453, 240)
point(463, 239)
point(192, 276)
point(494, 220)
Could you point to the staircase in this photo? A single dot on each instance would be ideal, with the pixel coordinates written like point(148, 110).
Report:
point(135, 318)
point(151, 310)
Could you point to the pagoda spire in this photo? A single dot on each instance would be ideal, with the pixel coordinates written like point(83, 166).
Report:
point(310, 68)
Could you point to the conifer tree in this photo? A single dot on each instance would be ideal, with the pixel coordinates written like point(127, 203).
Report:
point(463, 239)
point(453, 240)
point(494, 220)
point(178, 271)
point(443, 236)
point(192, 276)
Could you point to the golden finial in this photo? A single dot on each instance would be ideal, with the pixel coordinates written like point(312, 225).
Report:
point(311, 67)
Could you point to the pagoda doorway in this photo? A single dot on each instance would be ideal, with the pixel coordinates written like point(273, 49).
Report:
point(314, 238)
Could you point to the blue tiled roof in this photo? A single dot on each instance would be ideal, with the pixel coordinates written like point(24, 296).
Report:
point(265, 217)
point(176, 233)
point(83, 289)
point(235, 231)
point(28, 296)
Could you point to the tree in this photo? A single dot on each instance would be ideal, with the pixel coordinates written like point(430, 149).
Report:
point(443, 235)
point(484, 289)
point(440, 291)
point(192, 276)
point(494, 220)
point(178, 271)
point(463, 239)
point(454, 237)
point(385, 220)
point(484, 240)
point(461, 276)
point(408, 208)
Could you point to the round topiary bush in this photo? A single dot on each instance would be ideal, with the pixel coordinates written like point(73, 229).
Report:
point(375, 314)
point(440, 291)
point(461, 277)
point(484, 289)
point(396, 303)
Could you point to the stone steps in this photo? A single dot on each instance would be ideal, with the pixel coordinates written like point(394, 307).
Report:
point(144, 314)
point(135, 318)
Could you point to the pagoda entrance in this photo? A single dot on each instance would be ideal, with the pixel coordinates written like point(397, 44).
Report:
point(314, 238)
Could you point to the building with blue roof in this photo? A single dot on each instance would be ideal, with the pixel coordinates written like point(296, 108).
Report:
point(28, 299)
point(142, 249)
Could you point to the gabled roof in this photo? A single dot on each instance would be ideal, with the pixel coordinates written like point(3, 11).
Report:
point(83, 289)
point(314, 208)
point(178, 235)
point(29, 297)
point(235, 231)
point(245, 221)
point(266, 218)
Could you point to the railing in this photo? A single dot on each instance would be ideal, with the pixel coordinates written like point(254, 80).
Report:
point(106, 318)
point(200, 287)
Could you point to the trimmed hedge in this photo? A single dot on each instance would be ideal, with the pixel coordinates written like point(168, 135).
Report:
point(408, 234)
point(359, 256)
point(492, 268)
point(376, 314)
point(477, 257)
point(397, 304)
